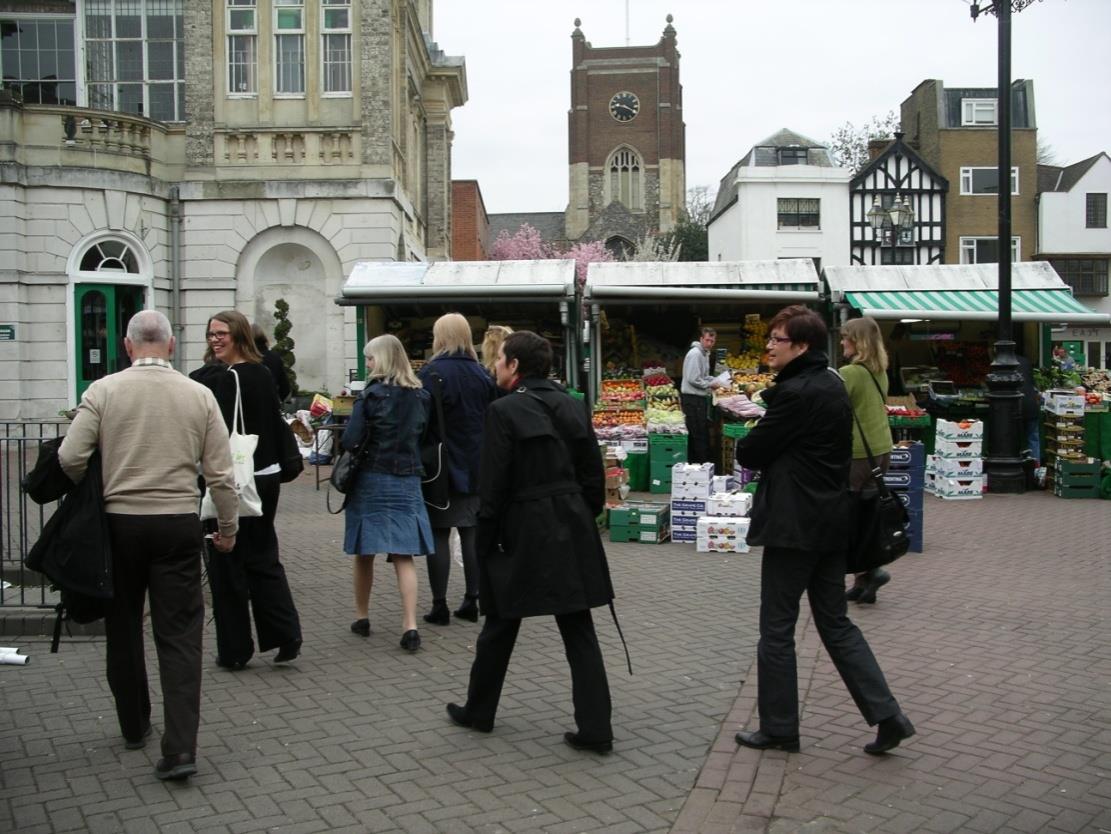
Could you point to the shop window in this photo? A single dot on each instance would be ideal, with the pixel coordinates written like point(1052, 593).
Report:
point(1096, 211)
point(37, 56)
point(985, 250)
point(795, 213)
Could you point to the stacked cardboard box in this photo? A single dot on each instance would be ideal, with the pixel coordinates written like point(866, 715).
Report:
point(721, 534)
point(1063, 427)
point(640, 521)
point(906, 477)
point(956, 469)
point(664, 451)
point(691, 484)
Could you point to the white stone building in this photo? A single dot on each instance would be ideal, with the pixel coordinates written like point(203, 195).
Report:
point(291, 139)
point(1074, 237)
point(784, 199)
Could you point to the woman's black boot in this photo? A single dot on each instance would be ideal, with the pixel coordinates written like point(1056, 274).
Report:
point(439, 615)
point(468, 610)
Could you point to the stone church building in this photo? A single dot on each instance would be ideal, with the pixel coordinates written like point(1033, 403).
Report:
point(626, 147)
point(199, 155)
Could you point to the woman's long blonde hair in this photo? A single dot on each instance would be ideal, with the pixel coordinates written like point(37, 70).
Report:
point(391, 365)
point(865, 335)
point(495, 335)
point(451, 334)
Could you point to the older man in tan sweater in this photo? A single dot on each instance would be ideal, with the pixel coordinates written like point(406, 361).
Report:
point(155, 428)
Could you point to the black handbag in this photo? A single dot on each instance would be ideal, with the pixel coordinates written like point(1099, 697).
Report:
point(879, 532)
point(345, 469)
point(435, 484)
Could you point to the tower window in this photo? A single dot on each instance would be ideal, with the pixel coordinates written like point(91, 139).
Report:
point(625, 179)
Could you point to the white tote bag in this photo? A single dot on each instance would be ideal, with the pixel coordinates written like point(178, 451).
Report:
point(243, 462)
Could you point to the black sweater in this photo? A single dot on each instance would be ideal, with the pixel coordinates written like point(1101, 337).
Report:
point(261, 411)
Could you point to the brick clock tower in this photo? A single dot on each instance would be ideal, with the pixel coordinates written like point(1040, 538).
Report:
point(626, 141)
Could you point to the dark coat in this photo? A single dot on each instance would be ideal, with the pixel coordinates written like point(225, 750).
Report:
point(542, 485)
point(467, 390)
point(274, 364)
point(803, 449)
point(261, 412)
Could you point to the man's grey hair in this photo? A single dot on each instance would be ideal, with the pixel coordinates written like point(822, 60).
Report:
point(149, 327)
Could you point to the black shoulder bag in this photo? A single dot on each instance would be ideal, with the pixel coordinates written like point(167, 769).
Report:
point(879, 532)
point(345, 469)
point(435, 484)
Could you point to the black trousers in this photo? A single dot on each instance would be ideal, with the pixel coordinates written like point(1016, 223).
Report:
point(695, 410)
point(784, 575)
point(590, 691)
point(159, 555)
point(251, 579)
point(439, 562)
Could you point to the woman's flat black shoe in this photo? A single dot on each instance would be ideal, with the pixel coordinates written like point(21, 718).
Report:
point(288, 652)
point(574, 740)
point(410, 640)
point(361, 627)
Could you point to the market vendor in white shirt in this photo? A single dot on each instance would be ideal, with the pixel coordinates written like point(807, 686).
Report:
point(695, 395)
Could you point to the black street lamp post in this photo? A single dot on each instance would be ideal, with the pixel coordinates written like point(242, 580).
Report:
point(1003, 462)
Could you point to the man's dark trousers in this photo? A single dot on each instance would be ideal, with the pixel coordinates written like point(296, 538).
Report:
point(590, 691)
point(159, 554)
point(698, 428)
point(785, 574)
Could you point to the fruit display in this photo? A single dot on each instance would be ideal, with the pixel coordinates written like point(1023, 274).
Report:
point(619, 412)
point(664, 413)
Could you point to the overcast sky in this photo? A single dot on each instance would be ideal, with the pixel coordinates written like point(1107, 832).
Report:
point(751, 67)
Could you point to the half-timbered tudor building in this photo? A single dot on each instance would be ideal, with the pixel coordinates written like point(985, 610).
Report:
point(897, 210)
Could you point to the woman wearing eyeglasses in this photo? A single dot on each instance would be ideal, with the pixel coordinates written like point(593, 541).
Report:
point(251, 577)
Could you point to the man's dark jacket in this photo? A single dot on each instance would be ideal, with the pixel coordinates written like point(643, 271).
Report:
point(542, 485)
point(73, 550)
point(467, 391)
point(803, 449)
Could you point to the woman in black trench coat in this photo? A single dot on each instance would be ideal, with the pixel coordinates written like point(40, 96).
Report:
point(542, 485)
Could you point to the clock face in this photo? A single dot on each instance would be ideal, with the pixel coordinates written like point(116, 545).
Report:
point(624, 106)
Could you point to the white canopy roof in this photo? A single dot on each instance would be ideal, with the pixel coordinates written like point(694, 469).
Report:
point(375, 282)
point(653, 282)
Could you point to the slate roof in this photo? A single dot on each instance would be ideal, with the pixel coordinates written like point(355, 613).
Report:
point(550, 224)
point(1064, 177)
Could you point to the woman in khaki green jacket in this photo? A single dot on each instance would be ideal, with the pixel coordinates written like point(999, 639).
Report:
point(865, 378)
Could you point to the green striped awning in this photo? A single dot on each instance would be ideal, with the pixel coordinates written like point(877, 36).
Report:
point(1026, 305)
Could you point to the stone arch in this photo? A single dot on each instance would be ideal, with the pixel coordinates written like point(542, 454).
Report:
point(301, 266)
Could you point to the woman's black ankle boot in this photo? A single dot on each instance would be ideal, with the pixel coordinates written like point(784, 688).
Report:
point(439, 615)
point(468, 610)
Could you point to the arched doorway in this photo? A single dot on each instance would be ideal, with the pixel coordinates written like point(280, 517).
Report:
point(110, 278)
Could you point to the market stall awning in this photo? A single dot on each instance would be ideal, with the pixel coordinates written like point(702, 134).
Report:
point(383, 282)
point(656, 282)
point(958, 292)
point(1026, 305)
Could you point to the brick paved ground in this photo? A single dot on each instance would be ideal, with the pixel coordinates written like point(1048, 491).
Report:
point(996, 642)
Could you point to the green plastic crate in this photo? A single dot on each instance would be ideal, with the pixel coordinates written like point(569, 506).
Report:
point(734, 430)
point(636, 464)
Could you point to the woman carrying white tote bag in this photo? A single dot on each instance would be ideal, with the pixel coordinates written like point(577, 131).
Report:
point(243, 462)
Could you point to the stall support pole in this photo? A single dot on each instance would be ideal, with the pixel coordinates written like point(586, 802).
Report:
point(595, 374)
point(1003, 462)
point(569, 351)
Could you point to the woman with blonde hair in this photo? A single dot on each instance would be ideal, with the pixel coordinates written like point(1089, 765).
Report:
point(454, 374)
point(866, 381)
point(385, 512)
point(491, 342)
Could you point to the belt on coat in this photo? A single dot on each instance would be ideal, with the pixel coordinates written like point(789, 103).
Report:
point(547, 491)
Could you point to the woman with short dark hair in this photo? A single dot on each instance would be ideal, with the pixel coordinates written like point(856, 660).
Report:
point(542, 486)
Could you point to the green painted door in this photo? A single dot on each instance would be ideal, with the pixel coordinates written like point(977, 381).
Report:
point(101, 314)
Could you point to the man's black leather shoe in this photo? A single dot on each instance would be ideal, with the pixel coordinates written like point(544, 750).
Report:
point(578, 743)
point(141, 742)
point(892, 732)
point(178, 766)
point(760, 740)
point(458, 715)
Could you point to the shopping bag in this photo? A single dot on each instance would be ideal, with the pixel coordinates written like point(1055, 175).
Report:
point(243, 463)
